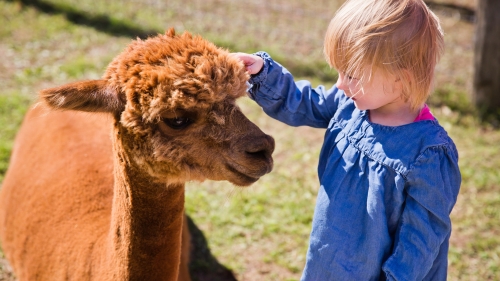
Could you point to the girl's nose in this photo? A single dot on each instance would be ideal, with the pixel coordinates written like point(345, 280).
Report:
point(341, 82)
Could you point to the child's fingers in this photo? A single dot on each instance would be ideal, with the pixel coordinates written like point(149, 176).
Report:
point(253, 68)
point(253, 64)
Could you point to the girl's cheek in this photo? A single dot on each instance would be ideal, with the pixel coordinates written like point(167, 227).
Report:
point(357, 91)
point(353, 89)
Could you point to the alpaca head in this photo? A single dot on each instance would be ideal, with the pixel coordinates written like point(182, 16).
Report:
point(173, 98)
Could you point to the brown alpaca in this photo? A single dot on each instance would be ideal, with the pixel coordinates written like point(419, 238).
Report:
point(81, 203)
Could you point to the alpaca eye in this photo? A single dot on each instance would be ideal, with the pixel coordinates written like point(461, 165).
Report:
point(178, 122)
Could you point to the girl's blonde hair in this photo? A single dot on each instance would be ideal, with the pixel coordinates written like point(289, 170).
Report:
point(399, 37)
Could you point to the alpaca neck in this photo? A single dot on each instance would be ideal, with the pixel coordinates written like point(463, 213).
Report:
point(144, 241)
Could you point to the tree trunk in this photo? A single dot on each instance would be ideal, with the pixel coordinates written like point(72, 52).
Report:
point(486, 94)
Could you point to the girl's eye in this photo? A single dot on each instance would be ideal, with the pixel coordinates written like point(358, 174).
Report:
point(178, 123)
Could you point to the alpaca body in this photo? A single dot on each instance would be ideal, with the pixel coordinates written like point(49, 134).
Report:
point(77, 203)
point(72, 195)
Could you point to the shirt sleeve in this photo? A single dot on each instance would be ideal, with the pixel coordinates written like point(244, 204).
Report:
point(294, 103)
point(432, 190)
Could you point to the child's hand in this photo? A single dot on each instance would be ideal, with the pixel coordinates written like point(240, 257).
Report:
point(253, 63)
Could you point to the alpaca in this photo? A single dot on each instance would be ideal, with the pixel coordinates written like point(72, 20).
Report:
point(81, 203)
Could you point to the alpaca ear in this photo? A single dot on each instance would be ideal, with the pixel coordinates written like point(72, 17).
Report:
point(92, 96)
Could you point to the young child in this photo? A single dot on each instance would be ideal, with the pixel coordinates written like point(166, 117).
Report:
point(388, 172)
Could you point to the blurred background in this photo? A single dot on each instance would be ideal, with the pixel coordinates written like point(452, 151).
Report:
point(260, 232)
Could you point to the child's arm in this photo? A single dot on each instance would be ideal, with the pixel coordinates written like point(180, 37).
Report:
point(422, 236)
point(294, 103)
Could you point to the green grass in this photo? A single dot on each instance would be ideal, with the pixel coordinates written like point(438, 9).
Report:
point(260, 232)
point(12, 109)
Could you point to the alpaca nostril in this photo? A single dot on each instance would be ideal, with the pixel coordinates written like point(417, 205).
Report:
point(258, 148)
point(261, 154)
point(262, 149)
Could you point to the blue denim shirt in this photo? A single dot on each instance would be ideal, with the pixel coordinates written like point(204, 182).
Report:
point(386, 193)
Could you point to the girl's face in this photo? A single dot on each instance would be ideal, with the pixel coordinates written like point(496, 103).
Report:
point(381, 93)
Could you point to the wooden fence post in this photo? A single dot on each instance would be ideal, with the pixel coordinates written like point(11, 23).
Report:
point(486, 95)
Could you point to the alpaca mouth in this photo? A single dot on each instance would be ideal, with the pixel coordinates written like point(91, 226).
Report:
point(242, 178)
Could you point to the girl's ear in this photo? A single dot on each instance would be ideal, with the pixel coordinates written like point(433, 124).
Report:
point(92, 96)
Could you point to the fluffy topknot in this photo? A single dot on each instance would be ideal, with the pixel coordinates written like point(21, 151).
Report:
point(177, 71)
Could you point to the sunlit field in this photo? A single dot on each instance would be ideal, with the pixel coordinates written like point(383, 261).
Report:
point(260, 232)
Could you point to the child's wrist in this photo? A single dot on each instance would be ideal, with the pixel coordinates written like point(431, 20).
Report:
point(261, 75)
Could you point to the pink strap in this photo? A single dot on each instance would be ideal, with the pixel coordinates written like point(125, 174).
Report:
point(425, 114)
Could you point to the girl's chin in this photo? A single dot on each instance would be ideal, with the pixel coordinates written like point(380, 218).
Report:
point(361, 108)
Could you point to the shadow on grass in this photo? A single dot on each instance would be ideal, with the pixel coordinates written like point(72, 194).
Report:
point(100, 22)
point(204, 266)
